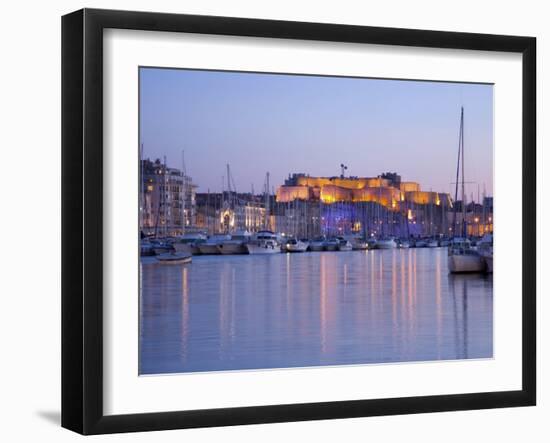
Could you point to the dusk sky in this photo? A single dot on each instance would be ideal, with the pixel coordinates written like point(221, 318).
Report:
point(289, 123)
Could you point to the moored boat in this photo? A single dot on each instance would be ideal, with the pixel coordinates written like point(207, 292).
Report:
point(358, 244)
point(317, 244)
point(264, 242)
point(210, 246)
point(371, 243)
point(331, 244)
point(385, 243)
point(174, 258)
point(403, 244)
point(236, 244)
point(463, 258)
point(189, 243)
point(295, 245)
point(343, 244)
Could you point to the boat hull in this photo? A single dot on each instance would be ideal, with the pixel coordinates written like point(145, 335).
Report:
point(297, 248)
point(209, 249)
point(232, 248)
point(331, 247)
point(459, 263)
point(359, 246)
point(386, 244)
point(316, 247)
point(263, 249)
point(184, 248)
point(174, 259)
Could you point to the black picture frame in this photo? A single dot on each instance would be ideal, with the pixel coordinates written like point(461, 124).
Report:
point(82, 215)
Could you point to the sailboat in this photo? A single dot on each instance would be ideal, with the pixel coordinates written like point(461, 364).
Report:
point(461, 256)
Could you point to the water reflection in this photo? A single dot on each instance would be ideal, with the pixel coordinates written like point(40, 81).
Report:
point(330, 308)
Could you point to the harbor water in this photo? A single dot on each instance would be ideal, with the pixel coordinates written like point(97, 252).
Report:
point(311, 309)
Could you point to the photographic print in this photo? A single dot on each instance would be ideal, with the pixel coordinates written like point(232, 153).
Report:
point(294, 221)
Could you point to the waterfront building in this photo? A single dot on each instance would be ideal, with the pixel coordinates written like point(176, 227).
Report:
point(226, 212)
point(167, 205)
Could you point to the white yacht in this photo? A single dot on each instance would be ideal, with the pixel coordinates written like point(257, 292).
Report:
point(236, 245)
point(463, 258)
point(294, 245)
point(264, 242)
point(386, 243)
point(210, 246)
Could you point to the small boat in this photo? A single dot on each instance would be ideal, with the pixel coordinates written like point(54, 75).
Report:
point(174, 258)
point(485, 250)
point(264, 242)
point(236, 245)
point(463, 258)
point(343, 244)
point(331, 244)
point(317, 244)
point(210, 246)
point(386, 243)
point(294, 245)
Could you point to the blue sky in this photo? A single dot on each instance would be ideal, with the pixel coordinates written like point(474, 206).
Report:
point(289, 123)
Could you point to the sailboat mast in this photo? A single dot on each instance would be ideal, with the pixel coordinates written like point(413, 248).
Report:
point(458, 169)
point(463, 189)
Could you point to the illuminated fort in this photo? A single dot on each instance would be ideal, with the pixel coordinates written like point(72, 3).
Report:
point(387, 190)
point(371, 206)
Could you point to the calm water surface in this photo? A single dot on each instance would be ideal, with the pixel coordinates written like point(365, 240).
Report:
point(310, 309)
